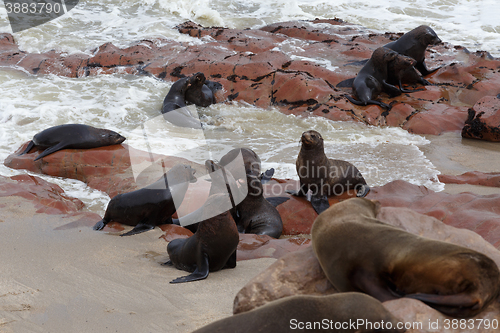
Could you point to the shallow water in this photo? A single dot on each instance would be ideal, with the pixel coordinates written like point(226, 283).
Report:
point(29, 104)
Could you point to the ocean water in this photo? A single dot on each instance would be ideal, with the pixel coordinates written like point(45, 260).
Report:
point(29, 104)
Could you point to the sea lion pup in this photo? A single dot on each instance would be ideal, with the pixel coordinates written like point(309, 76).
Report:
point(372, 79)
point(211, 248)
point(75, 136)
point(399, 70)
point(174, 108)
point(357, 252)
point(413, 44)
point(332, 313)
point(152, 205)
point(256, 215)
point(324, 176)
point(199, 93)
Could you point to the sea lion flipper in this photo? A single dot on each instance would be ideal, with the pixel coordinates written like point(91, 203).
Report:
point(462, 300)
point(320, 203)
point(51, 150)
point(200, 273)
point(266, 176)
point(100, 225)
point(276, 201)
point(302, 192)
point(139, 228)
point(231, 262)
point(168, 263)
point(27, 150)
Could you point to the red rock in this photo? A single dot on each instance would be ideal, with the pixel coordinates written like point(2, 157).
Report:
point(483, 121)
point(263, 246)
point(47, 198)
point(173, 231)
point(473, 178)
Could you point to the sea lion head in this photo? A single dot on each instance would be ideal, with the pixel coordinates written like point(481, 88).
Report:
point(112, 137)
point(197, 80)
point(181, 173)
point(311, 140)
point(427, 35)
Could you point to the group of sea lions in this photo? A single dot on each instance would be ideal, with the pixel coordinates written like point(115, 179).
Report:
point(394, 64)
point(390, 264)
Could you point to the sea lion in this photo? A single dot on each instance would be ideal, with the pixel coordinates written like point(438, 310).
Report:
point(333, 313)
point(357, 252)
point(174, 107)
point(211, 248)
point(199, 93)
point(372, 79)
point(413, 44)
point(255, 214)
point(401, 70)
point(74, 136)
point(152, 205)
point(324, 176)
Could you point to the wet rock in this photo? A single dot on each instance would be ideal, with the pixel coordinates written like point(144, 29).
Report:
point(483, 120)
point(294, 66)
point(46, 197)
point(299, 272)
point(473, 178)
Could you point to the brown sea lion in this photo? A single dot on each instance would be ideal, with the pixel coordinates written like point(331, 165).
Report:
point(174, 107)
point(413, 44)
point(152, 205)
point(357, 252)
point(211, 248)
point(199, 93)
point(401, 70)
point(74, 136)
point(341, 313)
point(255, 214)
point(324, 176)
point(372, 79)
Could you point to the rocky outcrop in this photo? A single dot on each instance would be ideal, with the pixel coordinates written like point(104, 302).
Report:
point(257, 67)
point(483, 121)
point(491, 179)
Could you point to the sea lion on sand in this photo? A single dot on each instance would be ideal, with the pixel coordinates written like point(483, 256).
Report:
point(199, 93)
point(174, 107)
point(256, 215)
point(413, 44)
point(75, 136)
point(211, 248)
point(324, 176)
point(152, 205)
point(357, 252)
point(372, 79)
point(332, 313)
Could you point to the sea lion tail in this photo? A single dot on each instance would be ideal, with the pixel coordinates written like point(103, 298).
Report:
point(30, 145)
point(362, 191)
point(100, 225)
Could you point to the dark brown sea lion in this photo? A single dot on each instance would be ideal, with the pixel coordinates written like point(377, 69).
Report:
point(372, 79)
point(401, 70)
point(324, 176)
point(199, 93)
point(213, 245)
point(174, 107)
point(74, 136)
point(341, 313)
point(255, 214)
point(152, 205)
point(413, 44)
point(357, 252)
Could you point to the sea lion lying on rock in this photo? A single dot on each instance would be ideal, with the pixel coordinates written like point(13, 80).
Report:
point(357, 252)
